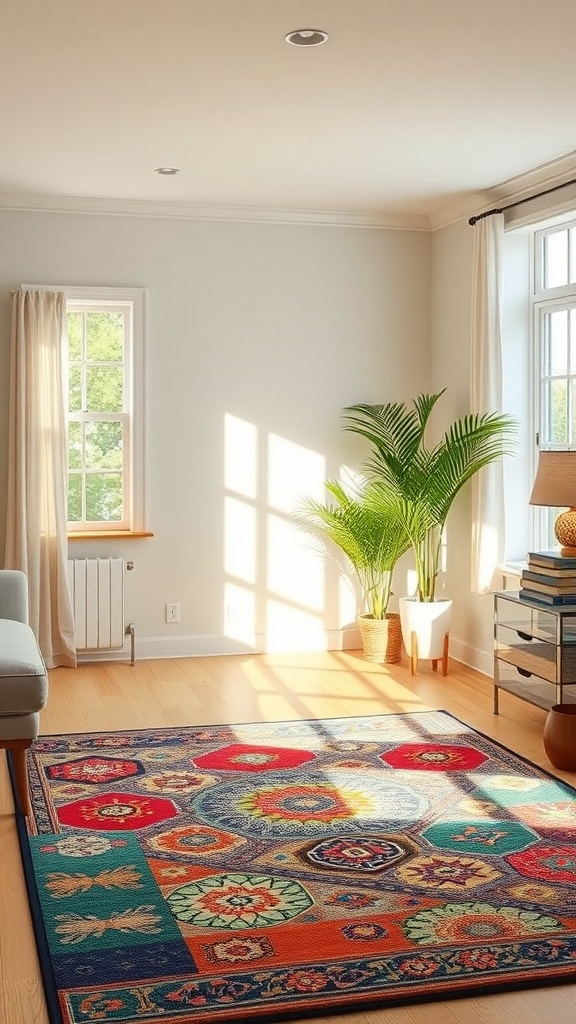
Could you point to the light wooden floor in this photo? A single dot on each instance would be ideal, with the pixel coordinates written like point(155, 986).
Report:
point(247, 689)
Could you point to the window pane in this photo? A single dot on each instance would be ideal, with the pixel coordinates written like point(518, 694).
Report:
point(75, 335)
point(559, 342)
point(104, 446)
point(572, 435)
point(104, 389)
point(572, 342)
point(74, 498)
point(572, 255)
point(75, 389)
point(74, 445)
point(550, 519)
point(104, 337)
point(103, 497)
point(558, 412)
point(556, 261)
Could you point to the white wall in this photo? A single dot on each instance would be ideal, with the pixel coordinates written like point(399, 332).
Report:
point(264, 331)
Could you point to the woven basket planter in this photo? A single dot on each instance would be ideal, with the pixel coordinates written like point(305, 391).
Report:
point(381, 638)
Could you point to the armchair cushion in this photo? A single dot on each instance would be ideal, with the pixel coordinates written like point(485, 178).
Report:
point(23, 679)
point(13, 595)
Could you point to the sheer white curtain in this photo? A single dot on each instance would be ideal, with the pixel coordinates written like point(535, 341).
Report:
point(486, 396)
point(36, 538)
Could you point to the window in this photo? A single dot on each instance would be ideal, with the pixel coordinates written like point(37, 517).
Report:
point(104, 356)
point(554, 330)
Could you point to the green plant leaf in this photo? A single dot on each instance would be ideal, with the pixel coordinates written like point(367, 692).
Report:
point(366, 524)
point(426, 480)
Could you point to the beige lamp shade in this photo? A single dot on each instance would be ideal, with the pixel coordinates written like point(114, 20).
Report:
point(555, 486)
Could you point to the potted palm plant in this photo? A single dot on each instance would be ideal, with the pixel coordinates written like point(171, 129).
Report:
point(364, 524)
point(425, 481)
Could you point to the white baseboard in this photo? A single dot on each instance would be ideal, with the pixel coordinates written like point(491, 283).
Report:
point(210, 645)
point(482, 661)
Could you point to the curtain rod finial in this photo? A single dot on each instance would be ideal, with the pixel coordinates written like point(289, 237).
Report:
point(487, 213)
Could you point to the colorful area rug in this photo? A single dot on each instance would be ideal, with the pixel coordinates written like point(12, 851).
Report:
point(292, 869)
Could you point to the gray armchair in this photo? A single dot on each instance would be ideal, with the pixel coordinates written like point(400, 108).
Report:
point(23, 678)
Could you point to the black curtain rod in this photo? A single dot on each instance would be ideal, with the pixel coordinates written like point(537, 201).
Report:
point(519, 202)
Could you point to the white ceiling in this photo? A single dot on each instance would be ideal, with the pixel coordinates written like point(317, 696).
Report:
point(411, 107)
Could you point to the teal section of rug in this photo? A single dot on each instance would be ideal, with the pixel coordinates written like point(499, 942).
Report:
point(490, 838)
point(105, 900)
point(510, 790)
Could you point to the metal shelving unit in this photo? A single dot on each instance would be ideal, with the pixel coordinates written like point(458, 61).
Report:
point(534, 650)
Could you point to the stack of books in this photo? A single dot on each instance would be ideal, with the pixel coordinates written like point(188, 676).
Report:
point(550, 578)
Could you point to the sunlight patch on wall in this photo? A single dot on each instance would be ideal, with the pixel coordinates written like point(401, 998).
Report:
point(240, 614)
point(443, 550)
point(295, 572)
point(350, 478)
point(290, 629)
point(293, 472)
point(411, 583)
point(347, 603)
point(240, 540)
point(275, 587)
point(240, 456)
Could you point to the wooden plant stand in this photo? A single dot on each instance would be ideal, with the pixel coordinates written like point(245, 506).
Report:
point(413, 655)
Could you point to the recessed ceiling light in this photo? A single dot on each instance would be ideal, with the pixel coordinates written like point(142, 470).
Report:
point(307, 37)
point(166, 170)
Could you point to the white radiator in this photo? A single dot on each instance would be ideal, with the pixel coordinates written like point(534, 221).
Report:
point(97, 591)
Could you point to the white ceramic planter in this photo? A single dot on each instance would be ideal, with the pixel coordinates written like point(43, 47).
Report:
point(430, 621)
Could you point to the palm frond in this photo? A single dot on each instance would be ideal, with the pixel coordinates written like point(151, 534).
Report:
point(426, 480)
point(367, 526)
point(468, 446)
point(396, 433)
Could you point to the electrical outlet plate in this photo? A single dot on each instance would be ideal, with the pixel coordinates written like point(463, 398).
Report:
point(172, 613)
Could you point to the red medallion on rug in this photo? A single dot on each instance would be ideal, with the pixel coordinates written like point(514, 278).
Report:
point(245, 757)
point(113, 811)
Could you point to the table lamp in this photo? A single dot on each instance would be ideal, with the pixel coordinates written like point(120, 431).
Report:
point(555, 486)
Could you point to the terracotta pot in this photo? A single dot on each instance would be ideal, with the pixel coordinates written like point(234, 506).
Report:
point(559, 736)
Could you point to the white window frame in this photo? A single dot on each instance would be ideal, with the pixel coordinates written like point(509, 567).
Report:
point(543, 301)
point(137, 299)
point(135, 302)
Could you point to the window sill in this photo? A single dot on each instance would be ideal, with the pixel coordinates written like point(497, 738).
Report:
point(511, 573)
point(514, 568)
point(108, 534)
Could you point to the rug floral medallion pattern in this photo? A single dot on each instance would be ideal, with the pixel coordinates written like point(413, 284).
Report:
point(274, 870)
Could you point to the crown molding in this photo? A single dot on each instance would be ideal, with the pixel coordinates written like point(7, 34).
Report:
point(522, 186)
point(191, 211)
point(450, 212)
